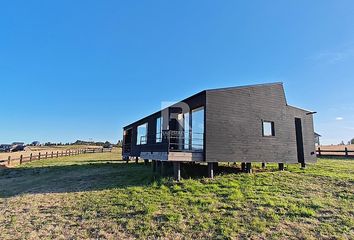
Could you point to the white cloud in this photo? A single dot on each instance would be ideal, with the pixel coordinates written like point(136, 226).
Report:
point(339, 118)
point(334, 56)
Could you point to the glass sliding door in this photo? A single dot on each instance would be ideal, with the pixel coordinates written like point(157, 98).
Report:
point(141, 137)
point(186, 132)
point(159, 123)
point(198, 129)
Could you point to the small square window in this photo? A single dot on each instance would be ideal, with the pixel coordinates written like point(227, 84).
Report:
point(268, 129)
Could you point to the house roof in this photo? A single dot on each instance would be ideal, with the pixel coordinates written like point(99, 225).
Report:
point(317, 135)
point(227, 89)
point(246, 86)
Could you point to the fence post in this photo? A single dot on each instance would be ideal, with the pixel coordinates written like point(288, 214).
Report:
point(69, 152)
point(57, 154)
point(9, 160)
point(30, 157)
point(46, 155)
point(21, 159)
point(346, 152)
point(39, 156)
point(52, 154)
point(102, 149)
point(319, 151)
point(61, 152)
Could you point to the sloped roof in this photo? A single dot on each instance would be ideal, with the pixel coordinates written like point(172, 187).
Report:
point(246, 86)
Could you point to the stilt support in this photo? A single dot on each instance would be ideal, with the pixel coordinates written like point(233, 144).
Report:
point(153, 164)
point(248, 167)
point(303, 165)
point(163, 168)
point(158, 167)
point(177, 171)
point(146, 161)
point(243, 167)
point(136, 159)
point(281, 166)
point(264, 165)
point(211, 170)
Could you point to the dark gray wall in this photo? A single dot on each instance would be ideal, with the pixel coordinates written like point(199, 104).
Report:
point(234, 126)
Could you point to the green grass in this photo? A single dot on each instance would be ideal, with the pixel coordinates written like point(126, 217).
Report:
point(96, 196)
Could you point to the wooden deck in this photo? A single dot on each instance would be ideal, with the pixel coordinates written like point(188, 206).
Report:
point(174, 156)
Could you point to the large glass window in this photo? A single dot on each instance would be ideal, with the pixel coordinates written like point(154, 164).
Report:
point(186, 130)
point(198, 129)
point(159, 124)
point(141, 137)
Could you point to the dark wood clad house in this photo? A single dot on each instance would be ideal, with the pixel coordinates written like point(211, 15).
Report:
point(238, 124)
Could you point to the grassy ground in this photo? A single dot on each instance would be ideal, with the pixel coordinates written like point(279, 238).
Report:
point(96, 196)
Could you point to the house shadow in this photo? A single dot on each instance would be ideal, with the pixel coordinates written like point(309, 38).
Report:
point(94, 175)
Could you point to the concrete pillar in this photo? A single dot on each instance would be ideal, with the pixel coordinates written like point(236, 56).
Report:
point(177, 171)
point(136, 159)
point(281, 166)
point(158, 167)
point(303, 165)
point(211, 170)
point(243, 167)
point(264, 165)
point(153, 164)
point(248, 167)
point(163, 168)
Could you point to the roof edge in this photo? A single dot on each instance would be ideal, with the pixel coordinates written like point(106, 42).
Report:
point(246, 86)
point(306, 110)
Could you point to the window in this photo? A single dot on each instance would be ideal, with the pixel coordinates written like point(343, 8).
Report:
point(141, 137)
point(159, 124)
point(186, 131)
point(198, 129)
point(268, 129)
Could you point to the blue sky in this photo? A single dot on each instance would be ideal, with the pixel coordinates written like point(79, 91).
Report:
point(68, 69)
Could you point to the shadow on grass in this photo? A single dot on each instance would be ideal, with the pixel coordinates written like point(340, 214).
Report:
point(94, 175)
point(73, 178)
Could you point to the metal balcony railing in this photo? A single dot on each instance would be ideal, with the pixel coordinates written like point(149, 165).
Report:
point(173, 140)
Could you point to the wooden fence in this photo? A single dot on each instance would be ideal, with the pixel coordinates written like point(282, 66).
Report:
point(53, 154)
point(335, 153)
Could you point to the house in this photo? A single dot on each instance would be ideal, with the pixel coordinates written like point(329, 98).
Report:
point(35, 143)
point(244, 124)
point(317, 139)
point(17, 146)
point(5, 147)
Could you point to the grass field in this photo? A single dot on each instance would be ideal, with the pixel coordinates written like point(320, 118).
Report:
point(97, 196)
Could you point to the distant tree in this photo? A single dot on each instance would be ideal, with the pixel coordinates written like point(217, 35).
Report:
point(342, 143)
point(352, 141)
point(107, 145)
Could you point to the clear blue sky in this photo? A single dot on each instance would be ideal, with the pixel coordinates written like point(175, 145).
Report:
point(68, 69)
